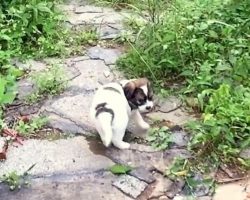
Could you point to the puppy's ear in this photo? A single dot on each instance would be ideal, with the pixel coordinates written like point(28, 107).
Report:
point(150, 89)
point(130, 87)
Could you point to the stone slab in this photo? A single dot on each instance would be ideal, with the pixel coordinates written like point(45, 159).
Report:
point(161, 185)
point(73, 108)
point(245, 153)
point(92, 74)
point(143, 174)
point(94, 186)
point(231, 191)
point(177, 117)
point(95, 18)
point(158, 160)
point(108, 55)
point(88, 9)
point(60, 156)
point(130, 185)
point(67, 126)
point(107, 31)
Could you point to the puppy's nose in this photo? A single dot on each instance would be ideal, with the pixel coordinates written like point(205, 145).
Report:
point(148, 107)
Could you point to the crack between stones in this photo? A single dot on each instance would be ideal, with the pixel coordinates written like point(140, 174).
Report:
point(66, 175)
point(66, 118)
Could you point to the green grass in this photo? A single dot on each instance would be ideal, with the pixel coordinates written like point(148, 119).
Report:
point(49, 82)
point(29, 128)
point(34, 29)
point(204, 47)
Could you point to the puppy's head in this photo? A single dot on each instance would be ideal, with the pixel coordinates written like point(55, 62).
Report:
point(139, 94)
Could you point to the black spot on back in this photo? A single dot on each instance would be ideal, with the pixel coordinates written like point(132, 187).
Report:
point(100, 108)
point(112, 89)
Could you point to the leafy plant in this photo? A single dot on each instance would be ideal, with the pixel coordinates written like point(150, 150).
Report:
point(204, 47)
point(120, 169)
point(8, 75)
point(28, 29)
point(29, 128)
point(160, 138)
point(79, 39)
point(179, 168)
point(31, 28)
point(48, 82)
point(14, 180)
point(204, 43)
point(225, 126)
point(194, 180)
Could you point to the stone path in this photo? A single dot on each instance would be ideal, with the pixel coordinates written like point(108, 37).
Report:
point(77, 167)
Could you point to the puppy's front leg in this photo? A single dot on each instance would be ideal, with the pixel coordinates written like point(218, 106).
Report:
point(140, 121)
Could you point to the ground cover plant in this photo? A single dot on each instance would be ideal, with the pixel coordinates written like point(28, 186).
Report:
point(28, 29)
point(34, 29)
point(203, 46)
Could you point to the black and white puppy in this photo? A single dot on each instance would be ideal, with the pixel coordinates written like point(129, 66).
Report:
point(115, 103)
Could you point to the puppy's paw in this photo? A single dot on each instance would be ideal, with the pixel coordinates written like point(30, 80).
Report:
point(122, 145)
point(145, 126)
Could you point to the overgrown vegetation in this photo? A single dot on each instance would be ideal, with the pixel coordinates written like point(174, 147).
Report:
point(204, 46)
point(160, 138)
point(28, 28)
point(51, 81)
point(195, 181)
point(27, 128)
point(34, 29)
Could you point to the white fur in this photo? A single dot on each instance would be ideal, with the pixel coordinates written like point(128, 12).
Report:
point(114, 132)
point(148, 103)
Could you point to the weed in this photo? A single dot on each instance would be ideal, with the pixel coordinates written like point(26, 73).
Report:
point(8, 84)
point(28, 128)
point(48, 82)
point(79, 39)
point(225, 126)
point(14, 180)
point(160, 138)
point(195, 182)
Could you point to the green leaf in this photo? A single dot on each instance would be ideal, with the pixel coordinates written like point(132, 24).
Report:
point(5, 37)
point(120, 169)
point(8, 98)
point(43, 8)
point(213, 34)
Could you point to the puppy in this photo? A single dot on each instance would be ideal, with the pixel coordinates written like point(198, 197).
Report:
point(115, 103)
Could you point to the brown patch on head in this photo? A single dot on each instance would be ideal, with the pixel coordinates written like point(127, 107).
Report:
point(130, 87)
point(150, 91)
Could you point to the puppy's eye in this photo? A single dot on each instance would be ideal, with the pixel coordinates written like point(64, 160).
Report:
point(141, 101)
point(150, 98)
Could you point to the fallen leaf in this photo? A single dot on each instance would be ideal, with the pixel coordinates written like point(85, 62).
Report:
point(181, 173)
point(120, 169)
point(4, 151)
point(2, 155)
point(25, 118)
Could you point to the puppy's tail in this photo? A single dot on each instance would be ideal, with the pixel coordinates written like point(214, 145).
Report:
point(105, 128)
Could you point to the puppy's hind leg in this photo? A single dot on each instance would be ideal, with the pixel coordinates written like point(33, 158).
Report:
point(117, 139)
point(103, 126)
point(118, 134)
